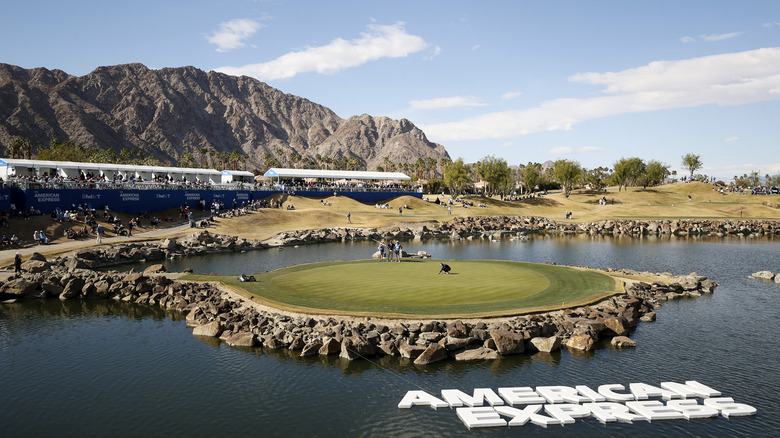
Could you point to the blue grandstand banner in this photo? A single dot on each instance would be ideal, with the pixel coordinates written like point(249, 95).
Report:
point(134, 201)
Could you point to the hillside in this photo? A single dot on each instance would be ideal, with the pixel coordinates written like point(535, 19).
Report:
point(165, 113)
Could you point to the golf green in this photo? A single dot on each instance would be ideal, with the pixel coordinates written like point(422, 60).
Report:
point(415, 288)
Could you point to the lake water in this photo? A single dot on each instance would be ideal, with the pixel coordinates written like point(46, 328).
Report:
point(104, 368)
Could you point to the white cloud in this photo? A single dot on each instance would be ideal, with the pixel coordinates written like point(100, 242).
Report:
point(772, 24)
point(434, 53)
point(719, 37)
point(511, 94)
point(587, 149)
point(231, 34)
point(730, 139)
point(726, 79)
point(381, 41)
point(561, 150)
point(711, 38)
point(475, 47)
point(445, 102)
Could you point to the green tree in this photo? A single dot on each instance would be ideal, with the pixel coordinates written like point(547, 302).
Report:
point(456, 176)
point(626, 171)
point(496, 172)
point(19, 146)
point(186, 160)
point(692, 163)
point(567, 173)
point(597, 178)
point(531, 175)
point(655, 172)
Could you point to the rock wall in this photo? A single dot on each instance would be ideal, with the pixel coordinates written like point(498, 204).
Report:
point(215, 312)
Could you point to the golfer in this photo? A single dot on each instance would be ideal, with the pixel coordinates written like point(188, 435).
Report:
point(444, 268)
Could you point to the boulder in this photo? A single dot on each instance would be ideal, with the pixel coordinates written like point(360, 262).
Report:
point(154, 269)
point(242, 339)
point(211, 329)
point(311, 349)
point(433, 353)
point(37, 256)
point(617, 325)
point(507, 342)
point(547, 345)
point(478, 353)
point(331, 346)
point(648, 317)
point(452, 344)
point(410, 351)
point(763, 275)
point(21, 288)
point(581, 341)
point(389, 348)
point(623, 342)
point(51, 285)
point(355, 347)
point(72, 289)
point(35, 266)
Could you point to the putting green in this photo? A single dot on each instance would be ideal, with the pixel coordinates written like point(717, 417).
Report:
point(413, 288)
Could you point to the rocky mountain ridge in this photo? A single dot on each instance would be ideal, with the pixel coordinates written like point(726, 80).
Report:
point(168, 112)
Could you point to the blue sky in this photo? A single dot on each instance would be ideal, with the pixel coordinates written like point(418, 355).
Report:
point(591, 81)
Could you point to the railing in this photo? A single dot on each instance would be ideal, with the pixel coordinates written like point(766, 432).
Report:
point(155, 185)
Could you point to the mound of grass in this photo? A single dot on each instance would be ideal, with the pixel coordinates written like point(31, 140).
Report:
point(414, 289)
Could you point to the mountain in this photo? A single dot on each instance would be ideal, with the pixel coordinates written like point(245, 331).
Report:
point(165, 113)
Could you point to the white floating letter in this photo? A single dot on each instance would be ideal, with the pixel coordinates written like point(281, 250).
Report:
point(421, 398)
point(480, 417)
point(521, 395)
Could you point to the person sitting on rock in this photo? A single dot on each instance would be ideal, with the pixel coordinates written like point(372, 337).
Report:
point(444, 268)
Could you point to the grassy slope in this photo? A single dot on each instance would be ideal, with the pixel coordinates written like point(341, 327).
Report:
point(413, 288)
point(664, 202)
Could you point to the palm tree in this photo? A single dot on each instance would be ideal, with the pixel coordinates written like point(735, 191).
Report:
point(212, 154)
point(430, 163)
point(18, 147)
point(203, 152)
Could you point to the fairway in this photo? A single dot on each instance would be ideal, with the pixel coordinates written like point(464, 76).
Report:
point(414, 288)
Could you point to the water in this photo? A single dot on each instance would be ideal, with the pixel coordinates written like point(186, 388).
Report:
point(105, 368)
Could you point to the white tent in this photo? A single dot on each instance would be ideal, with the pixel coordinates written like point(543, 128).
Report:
point(276, 172)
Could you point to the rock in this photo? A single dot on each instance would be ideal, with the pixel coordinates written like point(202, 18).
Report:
point(35, 266)
point(547, 345)
point(617, 325)
point(242, 339)
point(72, 289)
point(154, 269)
point(508, 342)
point(452, 344)
point(21, 288)
point(51, 285)
point(331, 346)
point(410, 351)
point(38, 257)
point(389, 348)
point(478, 353)
point(354, 348)
point(581, 341)
point(433, 353)
point(311, 348)
point(623, 342)
point(648, 317)
point(211, 329)
point(763, 275)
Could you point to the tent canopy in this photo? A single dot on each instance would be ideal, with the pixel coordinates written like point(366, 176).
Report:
point(277, 172)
